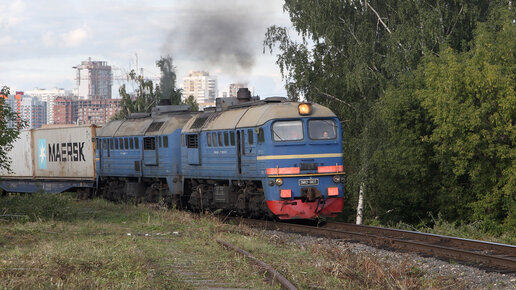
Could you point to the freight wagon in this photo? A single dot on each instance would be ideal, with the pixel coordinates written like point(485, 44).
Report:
point(52, 160)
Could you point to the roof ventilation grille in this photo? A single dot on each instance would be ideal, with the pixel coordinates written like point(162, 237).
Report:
point(155, 126)
point(199, 122)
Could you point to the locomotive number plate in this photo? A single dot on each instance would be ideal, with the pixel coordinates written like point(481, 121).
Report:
point(312, 181)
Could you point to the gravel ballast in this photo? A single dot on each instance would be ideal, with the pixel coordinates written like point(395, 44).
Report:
point(472, 277)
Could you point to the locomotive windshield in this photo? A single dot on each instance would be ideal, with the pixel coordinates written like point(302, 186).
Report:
point(287, 130)
point(322, 129)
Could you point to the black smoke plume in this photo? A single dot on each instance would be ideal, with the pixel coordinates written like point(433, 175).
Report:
point(218, 35)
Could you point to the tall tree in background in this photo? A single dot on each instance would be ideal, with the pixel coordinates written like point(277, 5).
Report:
point(451, 129)
point(471, 98)
point(146, 96)
point(7, 134)
point(351, 51)
point(167, 82)
point(190, 101)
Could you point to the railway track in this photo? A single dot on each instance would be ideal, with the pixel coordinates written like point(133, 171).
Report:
point(494, 256)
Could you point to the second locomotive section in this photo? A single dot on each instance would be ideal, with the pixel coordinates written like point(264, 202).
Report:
point(272, 157)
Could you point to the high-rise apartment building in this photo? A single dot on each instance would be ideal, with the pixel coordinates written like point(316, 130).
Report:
point(14, 102)
point(94, 80)
point(49, 97)
point(202, 86)
point(33, 111)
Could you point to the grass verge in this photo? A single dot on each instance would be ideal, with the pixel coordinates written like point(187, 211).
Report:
point(65, 243)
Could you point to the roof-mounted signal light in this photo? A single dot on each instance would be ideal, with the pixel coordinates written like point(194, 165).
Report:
point(304, 109)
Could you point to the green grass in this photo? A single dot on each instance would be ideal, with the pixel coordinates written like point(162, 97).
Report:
point(50, 241)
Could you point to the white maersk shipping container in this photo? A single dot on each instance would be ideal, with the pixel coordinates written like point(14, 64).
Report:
point(21, 157)
point(56, 155)
point(64, 153)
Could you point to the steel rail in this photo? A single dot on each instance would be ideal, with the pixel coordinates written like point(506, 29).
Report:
point(286, 284)
point(411, 241)
point(476, 245)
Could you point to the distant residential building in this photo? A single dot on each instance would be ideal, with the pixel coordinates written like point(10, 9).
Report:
point(81, 112)
point(65, 110)
point(97, 112)
point(14, 102)
point(33, 111)
point(94, 80)
point(233, 89)
point(49, 96)
point(202, 86)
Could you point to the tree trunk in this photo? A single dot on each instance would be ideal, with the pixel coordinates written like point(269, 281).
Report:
point(360, 207)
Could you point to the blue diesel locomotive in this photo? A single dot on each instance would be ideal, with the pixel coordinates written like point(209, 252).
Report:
point(271, 157)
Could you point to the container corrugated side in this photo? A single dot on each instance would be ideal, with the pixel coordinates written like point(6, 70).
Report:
point(64, 153)
point(21, 158)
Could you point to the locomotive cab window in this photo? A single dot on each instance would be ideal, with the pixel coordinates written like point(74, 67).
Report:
point(322, 129)
point(208, 139)
point(136, 143)
point(131, 143)
point(287, 130)
point(165, 141)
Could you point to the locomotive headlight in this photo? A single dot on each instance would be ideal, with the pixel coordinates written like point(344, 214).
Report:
point(304, 109)
point(336, 178)
point(279, 181)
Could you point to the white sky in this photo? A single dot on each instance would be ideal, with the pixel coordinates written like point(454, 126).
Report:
point(40, 41)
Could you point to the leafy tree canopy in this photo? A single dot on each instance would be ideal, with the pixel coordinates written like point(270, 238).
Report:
point(7, 134)
point(190, 101)
point(146, 96)
point(450, 148)
point(167, 82)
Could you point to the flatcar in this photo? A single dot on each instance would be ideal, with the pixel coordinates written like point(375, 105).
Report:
point(52, 160)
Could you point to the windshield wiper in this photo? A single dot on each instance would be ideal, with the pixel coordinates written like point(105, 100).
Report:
point(280, 139)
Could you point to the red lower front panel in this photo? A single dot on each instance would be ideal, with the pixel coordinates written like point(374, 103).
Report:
point(296, 209)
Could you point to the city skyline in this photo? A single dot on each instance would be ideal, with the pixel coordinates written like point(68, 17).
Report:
point(43, 40)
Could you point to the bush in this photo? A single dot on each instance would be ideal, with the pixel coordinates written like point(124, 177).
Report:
point(37, 206)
